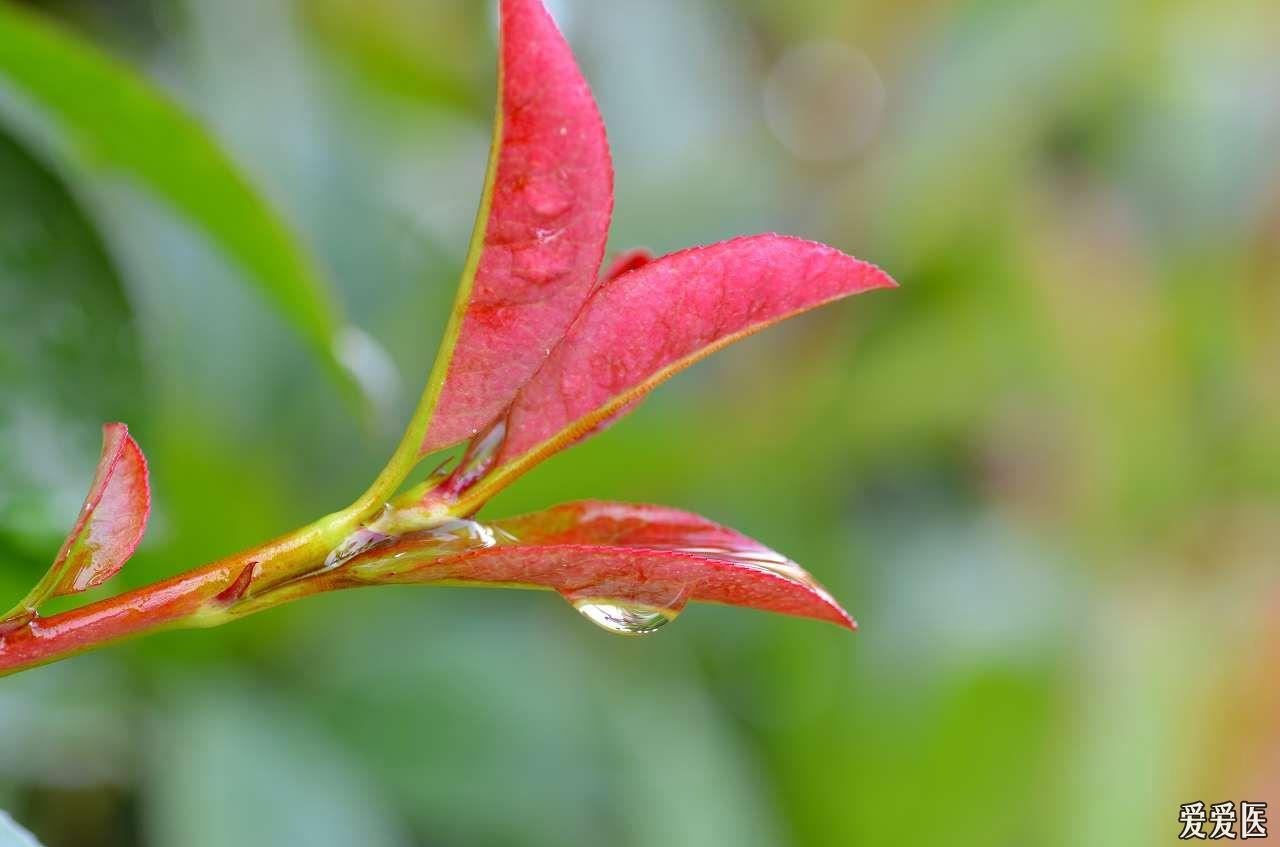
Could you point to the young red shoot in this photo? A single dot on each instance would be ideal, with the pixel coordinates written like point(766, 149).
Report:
point(543, 348)
point(110, 524)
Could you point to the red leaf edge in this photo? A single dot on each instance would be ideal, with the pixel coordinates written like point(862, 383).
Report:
point(543, 228)
point(120, 486)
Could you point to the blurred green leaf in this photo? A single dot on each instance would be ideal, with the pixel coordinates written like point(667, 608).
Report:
point(94, 117)
point(69, 359)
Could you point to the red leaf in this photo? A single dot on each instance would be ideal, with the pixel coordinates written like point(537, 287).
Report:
point(600, 553)
point(111, 522)
point(542, 229)
point(625, 263)
point(646, 325)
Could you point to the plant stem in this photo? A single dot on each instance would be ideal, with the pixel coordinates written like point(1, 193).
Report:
point(409, 452)
point(196, 598)
point(223, 590)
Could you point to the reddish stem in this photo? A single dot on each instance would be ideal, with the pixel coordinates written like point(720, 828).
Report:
point(196, 598)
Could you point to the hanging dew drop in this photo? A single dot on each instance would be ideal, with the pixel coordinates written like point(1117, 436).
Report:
point(621, 619)
point(634, 616)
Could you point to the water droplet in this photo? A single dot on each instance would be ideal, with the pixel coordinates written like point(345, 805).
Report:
point(640, 614)
point(623, 619)
point(462, 535)
point(455, 536)
point(353, 545)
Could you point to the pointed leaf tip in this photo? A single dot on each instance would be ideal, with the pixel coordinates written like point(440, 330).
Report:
point(110, 525)
point(648, 323)
point(541, 232)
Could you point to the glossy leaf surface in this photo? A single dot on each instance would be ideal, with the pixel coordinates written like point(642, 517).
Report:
point(649, 556)
point(648, 324)
point(541, 231)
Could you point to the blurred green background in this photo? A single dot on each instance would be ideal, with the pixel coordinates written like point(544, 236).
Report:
point(1044, 475)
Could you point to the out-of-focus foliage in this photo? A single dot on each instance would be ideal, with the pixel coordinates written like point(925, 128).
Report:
point(129, 138)
point(1044, 475)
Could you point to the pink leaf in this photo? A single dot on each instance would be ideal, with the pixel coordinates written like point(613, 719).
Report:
point(542, 230)
point(111, 522)
point(625, 263)
point(652, 322)
point(609, 553)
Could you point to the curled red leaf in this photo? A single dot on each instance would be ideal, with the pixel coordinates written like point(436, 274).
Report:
point(111, 522)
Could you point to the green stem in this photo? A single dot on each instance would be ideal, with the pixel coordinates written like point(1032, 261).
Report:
point(409, 452)
point(41, 592)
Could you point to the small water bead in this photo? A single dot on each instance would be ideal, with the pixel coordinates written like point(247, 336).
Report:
point(353, 545)
point(462, 535)
point(451, 538)
point(621, 619)
point(630, 616)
